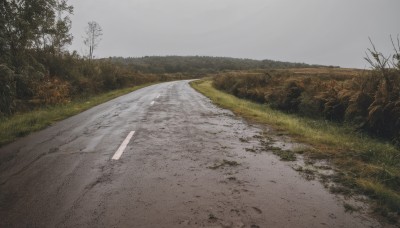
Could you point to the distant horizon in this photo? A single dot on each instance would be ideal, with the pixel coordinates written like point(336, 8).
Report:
point(138, 57)
point(257, 59)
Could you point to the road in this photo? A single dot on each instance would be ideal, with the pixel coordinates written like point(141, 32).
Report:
point(187, 163)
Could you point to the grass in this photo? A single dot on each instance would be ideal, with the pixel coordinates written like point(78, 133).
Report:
point(350, 208)
point(285, 155)
point(365, 164)
point(22, 124)
point(224, 163)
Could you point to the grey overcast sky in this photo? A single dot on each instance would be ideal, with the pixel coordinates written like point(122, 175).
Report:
point(329, 32)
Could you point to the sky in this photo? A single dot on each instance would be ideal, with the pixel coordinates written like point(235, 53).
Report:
point(327, 32)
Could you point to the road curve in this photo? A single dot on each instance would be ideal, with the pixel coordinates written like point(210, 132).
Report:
point(186, 163)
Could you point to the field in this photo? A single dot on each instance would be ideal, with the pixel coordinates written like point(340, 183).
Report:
point(367, 99)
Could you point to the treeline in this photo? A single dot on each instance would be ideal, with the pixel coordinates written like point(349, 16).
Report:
point(35, 67)
point(200, 65)
point(370, 100)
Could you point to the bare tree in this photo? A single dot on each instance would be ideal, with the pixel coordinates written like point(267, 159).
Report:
point(396, 57)
point(93, 33)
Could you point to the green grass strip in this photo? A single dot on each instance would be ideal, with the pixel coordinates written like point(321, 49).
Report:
point(22, 124)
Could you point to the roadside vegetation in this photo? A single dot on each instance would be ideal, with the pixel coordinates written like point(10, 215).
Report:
point(22, 124)
point(369, 100)
point(349, 117)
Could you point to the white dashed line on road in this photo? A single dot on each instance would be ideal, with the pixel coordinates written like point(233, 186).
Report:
point(121, 148)
point(152, 103)
point(158, 96)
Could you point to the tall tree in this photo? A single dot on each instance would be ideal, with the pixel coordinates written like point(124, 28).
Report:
point(61, 36)
point(93, 33)
point(32, 24)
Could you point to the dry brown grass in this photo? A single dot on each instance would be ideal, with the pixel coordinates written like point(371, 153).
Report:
point(364, 98)
point(349, 72)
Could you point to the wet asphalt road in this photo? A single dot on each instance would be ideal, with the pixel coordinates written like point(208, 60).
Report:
point(188, 164)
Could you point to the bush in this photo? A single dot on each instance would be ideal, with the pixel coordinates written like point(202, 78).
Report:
point(286, 98)
point(51, 91)
point(27, 80)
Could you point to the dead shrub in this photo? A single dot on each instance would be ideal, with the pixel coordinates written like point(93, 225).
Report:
point(52, 90)
point(287, 98)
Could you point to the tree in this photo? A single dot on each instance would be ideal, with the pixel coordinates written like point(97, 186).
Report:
point(92, 39)
point(60, 36)
point(32, 24)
